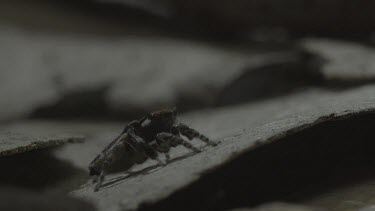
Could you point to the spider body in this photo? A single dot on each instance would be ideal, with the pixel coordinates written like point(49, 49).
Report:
point(145, 138)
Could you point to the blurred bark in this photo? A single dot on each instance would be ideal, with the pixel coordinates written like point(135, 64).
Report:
point(237, 16)
point(303, 16)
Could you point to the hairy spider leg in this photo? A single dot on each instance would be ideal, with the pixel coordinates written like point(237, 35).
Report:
point(169, 140)
point(162, 148)
point(190, 133)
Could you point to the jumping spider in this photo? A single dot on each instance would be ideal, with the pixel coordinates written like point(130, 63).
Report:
point(155, 133)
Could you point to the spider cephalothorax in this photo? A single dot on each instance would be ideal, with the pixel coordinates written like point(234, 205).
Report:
point(155, 133)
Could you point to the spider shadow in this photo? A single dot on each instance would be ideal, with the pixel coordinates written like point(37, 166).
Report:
point(144, 171)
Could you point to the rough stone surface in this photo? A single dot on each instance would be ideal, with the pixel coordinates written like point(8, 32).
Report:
point(239, 129)
point(343, 60)
point(15, 143)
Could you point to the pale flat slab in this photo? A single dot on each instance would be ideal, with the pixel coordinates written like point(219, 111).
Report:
point(239, 129)
point(343, 60)
point(15, 143)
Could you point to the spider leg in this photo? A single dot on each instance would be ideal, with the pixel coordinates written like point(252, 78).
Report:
point(171, 140)
point(190, 133)
point(103, 172)
point(167, 157)
point(100, 180)
point(113, 154)
point(162, 147)
point(142, 146)
point(95, 179)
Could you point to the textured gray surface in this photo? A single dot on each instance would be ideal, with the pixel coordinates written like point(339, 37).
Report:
point(239, 129)
point(15, 143)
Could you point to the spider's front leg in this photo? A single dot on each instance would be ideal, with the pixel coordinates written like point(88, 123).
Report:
point(167, 140)
point(113, 154)
point(190, 133)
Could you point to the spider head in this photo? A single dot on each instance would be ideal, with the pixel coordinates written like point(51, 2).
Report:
point(164, 116)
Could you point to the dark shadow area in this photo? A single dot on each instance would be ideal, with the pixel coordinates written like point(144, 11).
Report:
point(297, 71)
point(207, 21)
point(78, 104)
point(17, 199)
point(39, 170)
point(82, 17)
point(346, 84)
point(300, 71)
point(109, 19)
point(86, 104)
point(305, 164)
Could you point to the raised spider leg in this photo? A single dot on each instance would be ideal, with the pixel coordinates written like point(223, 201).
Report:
point(190, 133)
point(170, 140)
